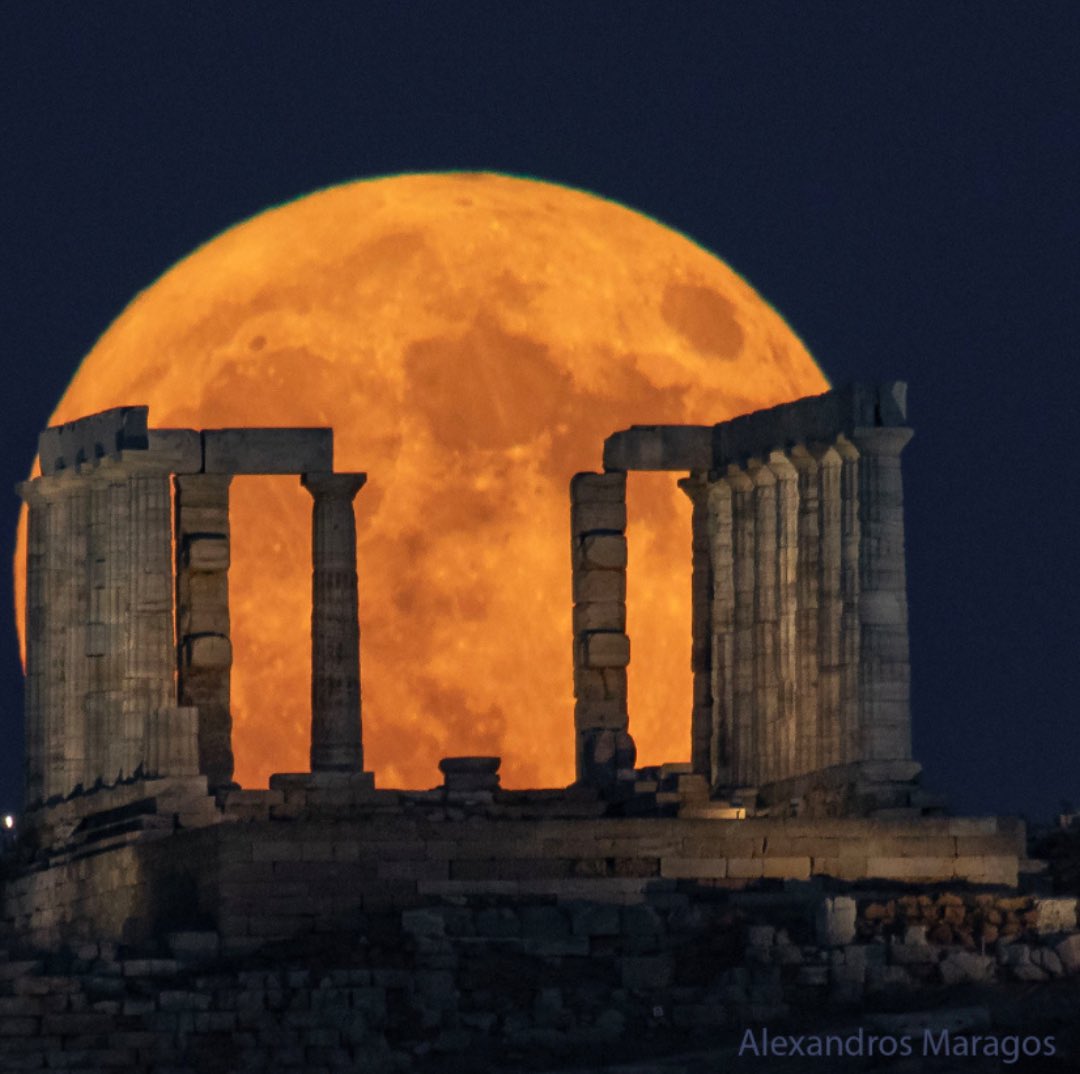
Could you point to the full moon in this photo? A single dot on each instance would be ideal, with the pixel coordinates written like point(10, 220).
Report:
point(472, 339)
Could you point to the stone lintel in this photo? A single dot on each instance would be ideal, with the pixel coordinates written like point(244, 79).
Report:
point(102, 435)
point(659, 447)
point(817, 418)
point(268, 451)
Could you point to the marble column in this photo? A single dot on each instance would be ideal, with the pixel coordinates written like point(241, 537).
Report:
point(76, 670)
point(746, 756)
point(884, 665)
point(787, 551)
point(766, 627)
point(701, 633)
point(604, 749)
point(336, 740)
point(722, 740)
point(829, 605)
point(109, 755)
point(851, 743)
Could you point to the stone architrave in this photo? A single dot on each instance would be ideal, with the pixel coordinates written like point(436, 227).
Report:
point(884, 665)
point(701, 631)
point(336, 738)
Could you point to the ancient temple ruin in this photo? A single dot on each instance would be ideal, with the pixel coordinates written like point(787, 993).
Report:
point(799, 626)
point(796, 757)
point(128, 654)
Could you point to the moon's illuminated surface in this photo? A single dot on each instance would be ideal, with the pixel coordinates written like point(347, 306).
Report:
point(472, 338)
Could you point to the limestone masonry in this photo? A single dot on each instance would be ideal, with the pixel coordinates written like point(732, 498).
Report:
point(797, 774)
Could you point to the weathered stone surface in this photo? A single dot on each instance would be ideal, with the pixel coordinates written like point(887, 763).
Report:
point(268, 451)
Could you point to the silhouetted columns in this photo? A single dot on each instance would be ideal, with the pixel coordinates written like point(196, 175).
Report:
point(604, 751)
point(787, 551)
point(884, 666)
point(830, 605)
point(766, 627)
point(336, 740)
point(202, 616)
point(722, 743)
point(807, 589)
point(746, 737)
point(701, 632)
point(851, 745)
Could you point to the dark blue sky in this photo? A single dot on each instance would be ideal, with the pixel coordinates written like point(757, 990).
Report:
point(899, 180)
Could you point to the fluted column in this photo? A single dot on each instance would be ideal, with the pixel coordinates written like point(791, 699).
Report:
point(884, 665)
point(787, 550)
point(851, 745)
point(807, 585)
point(830, 605)
point(336, 741)
point(76, 672)
point(746, 755)
point(722, 739)
point(766, 707)
point(701, 596)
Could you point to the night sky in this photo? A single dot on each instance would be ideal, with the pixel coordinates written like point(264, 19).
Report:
point(899, 180)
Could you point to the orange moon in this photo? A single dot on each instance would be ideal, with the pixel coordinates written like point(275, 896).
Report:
point(472, 339)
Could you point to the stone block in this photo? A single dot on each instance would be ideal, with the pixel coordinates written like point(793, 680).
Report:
point(604, 649)
point(1056, 914)
point(835, 921)
point(598, 488)
point(913, 868)
point(987, 869)
point(599, 587)
point(593, 517)
point(606, 715)
point(679, 868)
point(206, 553)
point(207, 651)
point(786, 868)
point(660, 447)
point(268, 451)
point(600, 615)
point(601, 551)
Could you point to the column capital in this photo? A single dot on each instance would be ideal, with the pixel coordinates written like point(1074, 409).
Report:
point(881, 440)
point(695, 484)
point(333, 486)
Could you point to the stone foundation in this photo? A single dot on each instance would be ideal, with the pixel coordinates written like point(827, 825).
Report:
point(270, 865)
